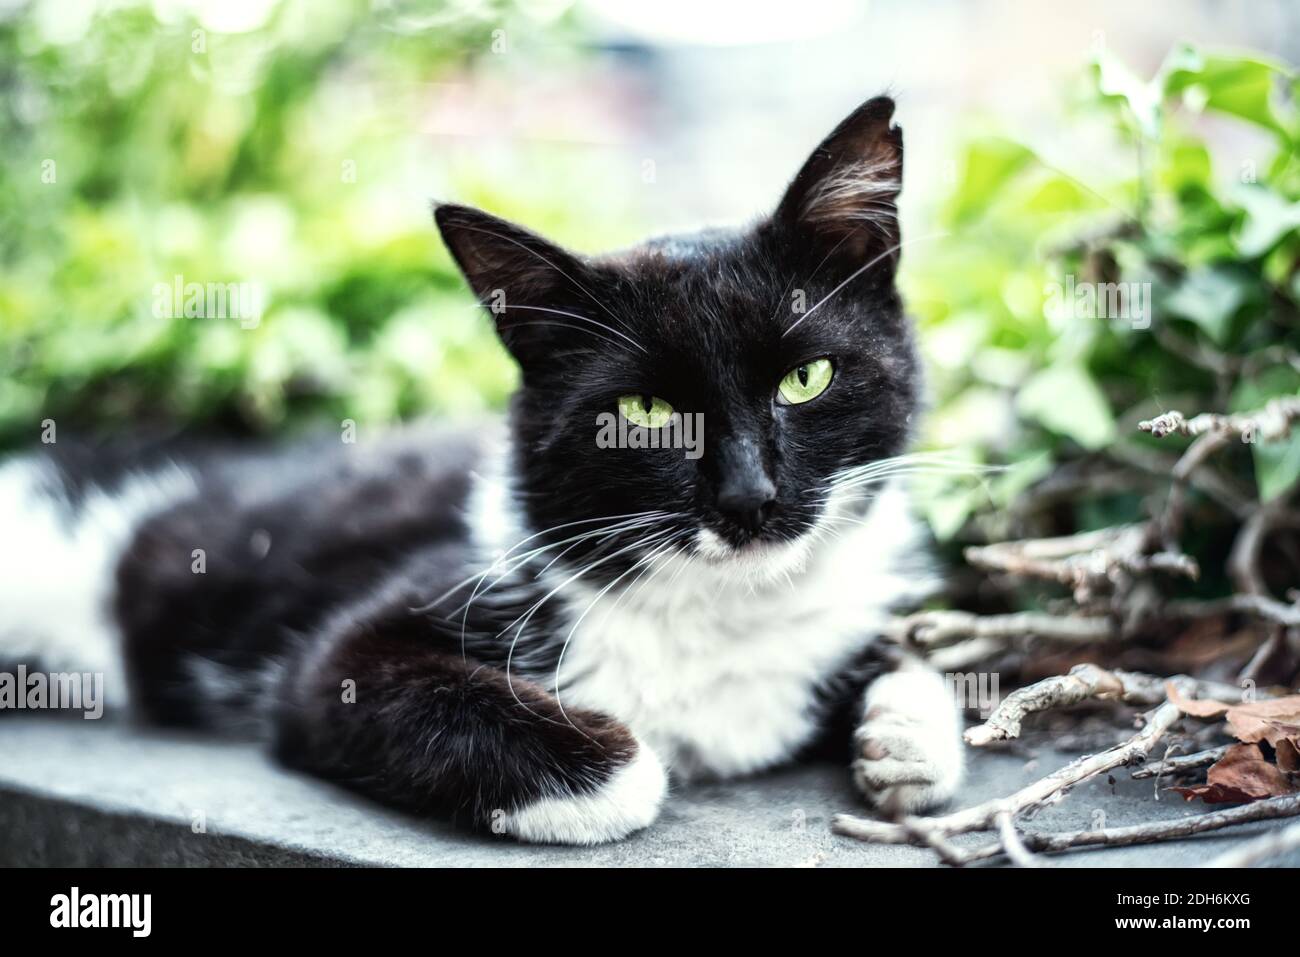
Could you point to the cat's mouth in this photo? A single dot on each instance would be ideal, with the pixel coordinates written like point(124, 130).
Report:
point(763, 554)
point(728, 540)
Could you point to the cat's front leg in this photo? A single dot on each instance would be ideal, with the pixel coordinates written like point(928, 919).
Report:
point(378, 706)
point(908, 747)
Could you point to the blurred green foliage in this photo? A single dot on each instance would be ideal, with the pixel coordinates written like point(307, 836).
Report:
point(141, 145)
point(1028, 371)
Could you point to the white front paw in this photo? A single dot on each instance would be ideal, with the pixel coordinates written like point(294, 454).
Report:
point(909, 750)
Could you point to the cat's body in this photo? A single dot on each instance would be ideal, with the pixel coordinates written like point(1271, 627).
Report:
point(518, 625)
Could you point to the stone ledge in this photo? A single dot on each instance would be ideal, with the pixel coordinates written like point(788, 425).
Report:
point(86, 793)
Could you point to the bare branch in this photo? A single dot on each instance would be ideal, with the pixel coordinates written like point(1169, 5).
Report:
point(964, 654)
point(1223, 363)
point(953, 640)
point(1012, 845)
point(1268, 424)
point(1260, 606)
point(982, 817)
point(1073, 480)
point(1243, 562)
point(1265, 810)
point(1113, 564)
point(1181, 764)
point(1084, 682)
point(1086, 561)
point(1191, 462)
point(1256, 852)
point(935, 629)
point(1227, 493)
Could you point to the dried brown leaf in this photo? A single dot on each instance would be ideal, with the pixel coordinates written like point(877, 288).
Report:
point(1269, 719)
point(1194, 707)
point(1243, 774)
point(1288, 756)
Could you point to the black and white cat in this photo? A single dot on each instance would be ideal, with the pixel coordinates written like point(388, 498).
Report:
point(519, 625)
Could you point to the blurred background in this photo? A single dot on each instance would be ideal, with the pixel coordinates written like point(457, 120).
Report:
point(291, 148)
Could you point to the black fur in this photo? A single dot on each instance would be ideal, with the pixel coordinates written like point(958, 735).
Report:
point(337, 566)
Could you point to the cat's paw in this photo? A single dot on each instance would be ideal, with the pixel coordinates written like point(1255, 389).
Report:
point(908, 747)
point(627, 802)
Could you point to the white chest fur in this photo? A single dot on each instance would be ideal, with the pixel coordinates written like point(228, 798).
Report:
point(715, 665)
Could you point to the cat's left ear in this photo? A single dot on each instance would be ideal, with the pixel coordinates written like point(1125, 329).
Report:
point(844, 202)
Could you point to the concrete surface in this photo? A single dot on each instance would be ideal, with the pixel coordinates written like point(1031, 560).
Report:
point(77, 793)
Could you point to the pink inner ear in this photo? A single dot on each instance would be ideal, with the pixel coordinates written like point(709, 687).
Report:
point(857, 194)
point(845, 196)
point(495, 254)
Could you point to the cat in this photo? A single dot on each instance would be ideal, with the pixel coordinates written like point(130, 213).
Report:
point(516, 625)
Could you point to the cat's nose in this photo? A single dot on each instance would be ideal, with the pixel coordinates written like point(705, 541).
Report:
point(745, 492)
point(748, 504)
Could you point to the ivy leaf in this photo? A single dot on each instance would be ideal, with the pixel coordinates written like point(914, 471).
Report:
point(1116, 82)
point(946, 514)
point(1240, 86)
point(1277, 464)
point(1065, 399)
point(988, 164)
point(1269, 219)
point(1186, 165)
point(1210, 297)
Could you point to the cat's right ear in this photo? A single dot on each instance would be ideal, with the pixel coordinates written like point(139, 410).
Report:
point(523, 280)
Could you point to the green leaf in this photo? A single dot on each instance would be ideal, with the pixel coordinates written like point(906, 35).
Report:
point(1210, 297)
point(988, 164)
point(1277, 464)
point(1065, 399)
point(1269, 219)
point(946, 514)
point(1116, 82)
point(1186, 165)
point(1007, 486)
point(1241, 86)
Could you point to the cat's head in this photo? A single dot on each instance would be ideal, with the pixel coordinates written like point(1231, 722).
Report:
point(782, 347)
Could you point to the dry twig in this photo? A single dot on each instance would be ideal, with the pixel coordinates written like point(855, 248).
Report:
point(935, 629)
point(1273, 844)
point(1212, 432)
point(983, 817)
point(1012, 844)
point(1085, 682)
point(1260, 606)
point(1268, 424)
point(1182, 763)
point(1086, 562)
point(1108, 563)
point(1265, 810)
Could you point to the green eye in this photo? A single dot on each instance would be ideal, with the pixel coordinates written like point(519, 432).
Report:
point(805, 382)
point(647, 411)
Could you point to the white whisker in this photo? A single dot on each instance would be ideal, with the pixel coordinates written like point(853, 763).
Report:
point(522, 621)
point(856, 273)
point(574, 315)
point(535, 253)
point(663, 545)
point(582, 521)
